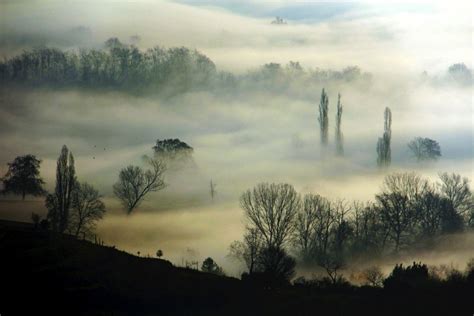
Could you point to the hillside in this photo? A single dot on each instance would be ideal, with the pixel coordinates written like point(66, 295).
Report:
point(75, 277)
point(85, 276)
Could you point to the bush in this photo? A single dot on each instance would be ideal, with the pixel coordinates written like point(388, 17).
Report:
point(413, 276)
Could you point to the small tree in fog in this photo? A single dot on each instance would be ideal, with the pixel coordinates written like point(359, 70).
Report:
point(23, 177)
point(333, 266)
point(174, 152)
point(159, 253)
point(373, 276)
point(323, 117)
point(210, 266)
point(134, 183)
point(339, 136)
point(87, 209)
point(384, 154)
point(425, 149)
point(248, 250)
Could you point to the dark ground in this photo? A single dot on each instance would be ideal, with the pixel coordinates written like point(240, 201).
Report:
point(49, 276)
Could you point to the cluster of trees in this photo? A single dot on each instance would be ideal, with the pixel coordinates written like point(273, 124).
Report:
point(172, 71)
point(73, 207)
point(117, 66)
point(422, 148)
point(408, 211)
point(417, 276)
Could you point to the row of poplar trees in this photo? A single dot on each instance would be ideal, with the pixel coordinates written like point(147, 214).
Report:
point(324, 122)
point(383, 143)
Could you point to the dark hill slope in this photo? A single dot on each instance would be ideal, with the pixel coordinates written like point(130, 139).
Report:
point(65, 276)
point(86, 276)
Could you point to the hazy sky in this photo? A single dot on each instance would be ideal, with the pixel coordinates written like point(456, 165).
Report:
point(254, 136)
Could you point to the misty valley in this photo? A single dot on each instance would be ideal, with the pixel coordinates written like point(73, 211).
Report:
point(227, 162)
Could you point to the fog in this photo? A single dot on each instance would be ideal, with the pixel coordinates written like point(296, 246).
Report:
point(242, 137)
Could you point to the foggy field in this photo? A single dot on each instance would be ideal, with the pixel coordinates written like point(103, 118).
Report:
point(246, 131)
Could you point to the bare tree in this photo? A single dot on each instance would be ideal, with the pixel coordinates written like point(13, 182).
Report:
point(134, 183)
point(324, 222)
point(398, 204)
point(342, 229)
point(339, 136)
point(373, 276)
point(369, 233)
point(87, 209)
point(323, 117)
point(384, 154)
point(397, 214)
point(408, 184)
point(305, 227)
point(457, 190)
point(249, 250)
point(333, 266)
point(271, 209)
point(430, 213)
point(312, 226)
point(425, 149)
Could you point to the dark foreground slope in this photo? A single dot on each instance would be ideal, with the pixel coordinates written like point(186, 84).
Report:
point(67, 276)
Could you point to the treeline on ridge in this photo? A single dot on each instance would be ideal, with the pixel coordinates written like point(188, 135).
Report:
point(172, 70)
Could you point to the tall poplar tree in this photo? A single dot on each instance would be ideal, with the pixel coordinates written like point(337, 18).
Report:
point(323, 117)
point(59, 203)
point(339, 136)
point(384, 154)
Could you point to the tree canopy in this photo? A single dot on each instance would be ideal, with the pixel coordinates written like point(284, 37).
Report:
point(425, 149)
point(23, 177)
